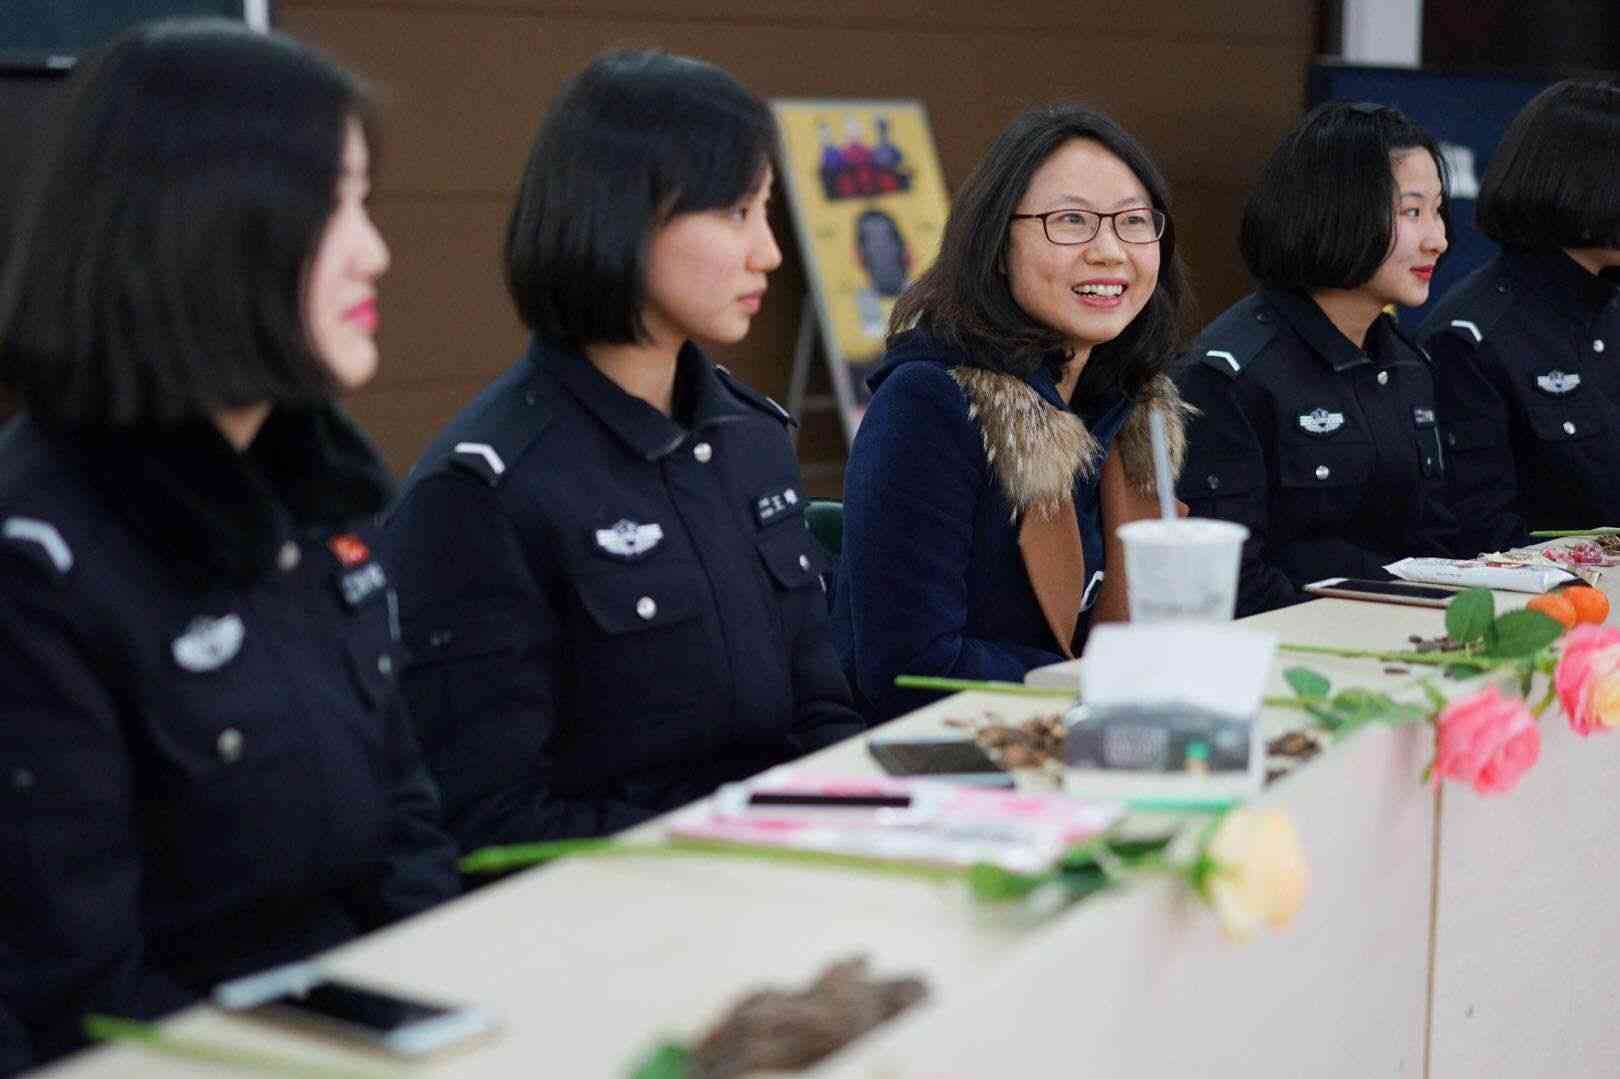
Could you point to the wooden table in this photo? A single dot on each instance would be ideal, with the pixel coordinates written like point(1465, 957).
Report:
point(591, 960)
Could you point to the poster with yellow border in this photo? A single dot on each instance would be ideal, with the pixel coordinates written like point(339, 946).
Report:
point(868, 201)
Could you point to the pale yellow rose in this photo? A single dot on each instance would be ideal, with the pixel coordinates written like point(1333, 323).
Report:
point(1258, 876)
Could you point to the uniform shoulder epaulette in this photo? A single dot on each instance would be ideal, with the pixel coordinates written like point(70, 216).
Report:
point(38, 541)
point(1473, 315)
point(502, 427)
point(1237, 337)
point(747, 393)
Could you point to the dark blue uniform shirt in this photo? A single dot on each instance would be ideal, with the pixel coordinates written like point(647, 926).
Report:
point(610, 611)
point(1527, 359)
point(205, 768)
point(1329, 454)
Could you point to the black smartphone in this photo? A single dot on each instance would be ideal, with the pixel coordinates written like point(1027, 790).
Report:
point(398, 1024)
point(956, 760)
point(1417, 595)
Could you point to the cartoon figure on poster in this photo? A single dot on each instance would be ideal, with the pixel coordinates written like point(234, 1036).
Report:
point(868, 200)
point(881, 250)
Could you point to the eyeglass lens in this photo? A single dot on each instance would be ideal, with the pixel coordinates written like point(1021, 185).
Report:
point(1135, 226)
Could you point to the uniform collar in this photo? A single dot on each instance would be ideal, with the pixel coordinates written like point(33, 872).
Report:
point(223, 514)
point(1311, 323)
point(1562, 283)
point(648, 433)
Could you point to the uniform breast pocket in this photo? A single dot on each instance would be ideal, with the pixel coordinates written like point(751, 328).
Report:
point(1572, 444)
point(791, 556)
point(1324, 482)
point(65, 802)
point(1224, 488)
point(644, 641)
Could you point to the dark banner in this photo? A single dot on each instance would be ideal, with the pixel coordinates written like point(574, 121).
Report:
point(49, 34)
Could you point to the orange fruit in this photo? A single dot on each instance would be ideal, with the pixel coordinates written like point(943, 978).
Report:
point(1556, 607)
point(1590, 604)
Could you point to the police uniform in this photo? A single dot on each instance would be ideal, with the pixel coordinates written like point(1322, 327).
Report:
point(1525, 358)
point(609, 612)
point(205, 768)
point(1329, 454)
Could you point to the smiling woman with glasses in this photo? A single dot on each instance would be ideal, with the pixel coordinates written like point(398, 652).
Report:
point(1006, 437)
point(1317, 426)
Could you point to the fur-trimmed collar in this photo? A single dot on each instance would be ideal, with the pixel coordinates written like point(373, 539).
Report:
point(1038, 451)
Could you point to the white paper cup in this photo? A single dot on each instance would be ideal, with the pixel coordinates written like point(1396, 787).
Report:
point(1182, 569)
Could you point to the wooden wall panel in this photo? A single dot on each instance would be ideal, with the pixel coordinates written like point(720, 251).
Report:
point(1208, 88)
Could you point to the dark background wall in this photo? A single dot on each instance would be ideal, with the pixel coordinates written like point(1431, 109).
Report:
point(1208, 87)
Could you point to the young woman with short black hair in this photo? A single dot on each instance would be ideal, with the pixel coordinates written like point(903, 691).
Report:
point(205, 768)
point(1316, 425)
point(1528, 385)
point(1006, 435)
point(610, 594)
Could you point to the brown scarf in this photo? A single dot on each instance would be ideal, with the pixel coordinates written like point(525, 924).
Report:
point(1037, 452)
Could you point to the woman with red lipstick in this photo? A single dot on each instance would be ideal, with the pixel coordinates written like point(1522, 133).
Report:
point(610, 594)
point(1524, 348)
point(205, 768)
point(1316, 423)
point(1006, 437)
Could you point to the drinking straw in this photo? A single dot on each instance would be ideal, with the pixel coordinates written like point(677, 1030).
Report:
point(1161, 465)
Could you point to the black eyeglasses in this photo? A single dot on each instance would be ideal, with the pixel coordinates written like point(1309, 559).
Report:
point(1137, 225)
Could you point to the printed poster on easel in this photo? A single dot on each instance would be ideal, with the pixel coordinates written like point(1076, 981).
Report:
point(868, 200)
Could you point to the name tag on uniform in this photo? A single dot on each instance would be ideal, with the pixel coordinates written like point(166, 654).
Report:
point(1422, 417)
point(362, 584)
point(774, 505)
point(208, 643)
point(1557, 382)
point(1319, 421)
point(629, 540)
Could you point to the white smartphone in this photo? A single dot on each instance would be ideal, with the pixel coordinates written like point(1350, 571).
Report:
point(1416, 595)
point(305, 992)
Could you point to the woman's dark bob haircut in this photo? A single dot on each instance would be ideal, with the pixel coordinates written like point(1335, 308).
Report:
point(964, 298)
point(1323, 214)
point(157, 271)
point(633, 140)
point(1555, 179)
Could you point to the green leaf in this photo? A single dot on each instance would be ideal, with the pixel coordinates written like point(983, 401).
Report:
point(1520, 634)
point(994, 884)
point(1437, 700)
point(1469, 615)
point(1307, 683)
point(1326, 717)
point(668, 1060)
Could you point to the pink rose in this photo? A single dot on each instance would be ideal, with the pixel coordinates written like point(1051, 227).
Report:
point(1486, 739)
point(1588, 678)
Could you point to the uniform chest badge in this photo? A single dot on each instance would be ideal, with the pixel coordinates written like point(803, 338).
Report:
point(208, 643)
point(1319, 421)
point(628, 540)
point(1558, 382)
point(362, 584)
point(773, 505)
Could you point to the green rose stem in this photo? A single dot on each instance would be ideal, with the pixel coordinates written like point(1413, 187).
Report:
point(984, 880)
point(956, 685)
point(1419, 659)
point(150, 1037)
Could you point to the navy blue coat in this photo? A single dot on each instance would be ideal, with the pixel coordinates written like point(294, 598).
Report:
point(1329, 454)
point(205, 768)
point(931, 580)
point(610, 612)
point(1530, 396)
